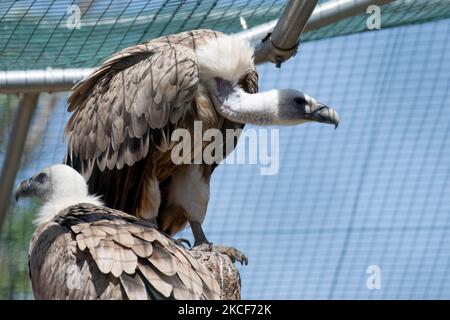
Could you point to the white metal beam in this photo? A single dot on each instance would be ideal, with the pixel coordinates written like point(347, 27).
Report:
point(48, 80)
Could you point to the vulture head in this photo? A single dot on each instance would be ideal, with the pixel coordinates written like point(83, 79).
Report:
point(232, 59)
point(58, 187)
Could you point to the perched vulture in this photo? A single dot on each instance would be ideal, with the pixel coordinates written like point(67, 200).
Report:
point(125, 112)
point(83, 250)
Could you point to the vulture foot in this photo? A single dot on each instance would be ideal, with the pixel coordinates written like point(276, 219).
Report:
point(233, 253)
point(204, 246)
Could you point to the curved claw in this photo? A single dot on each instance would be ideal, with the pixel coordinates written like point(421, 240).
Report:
point(233, 253)
point(182, 241)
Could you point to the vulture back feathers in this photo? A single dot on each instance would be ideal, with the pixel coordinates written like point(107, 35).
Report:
point(92, 252)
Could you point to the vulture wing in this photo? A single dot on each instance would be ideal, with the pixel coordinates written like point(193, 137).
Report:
point(92, 252)
point(127, 109)
point(140, 91)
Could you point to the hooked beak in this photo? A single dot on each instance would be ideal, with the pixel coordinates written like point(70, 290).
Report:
point(24, 189)
point(322, 113)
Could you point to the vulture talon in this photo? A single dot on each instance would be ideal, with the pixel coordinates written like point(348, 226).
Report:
point(204, 246)
point(233, 253)
point(182, 242)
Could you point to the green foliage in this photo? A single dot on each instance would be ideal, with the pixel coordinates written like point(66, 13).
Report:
point(14, 240)
point(17, 229)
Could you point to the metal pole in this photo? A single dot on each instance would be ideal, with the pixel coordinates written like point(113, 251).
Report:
point(49, 80)
point(16, 143)
point(332, 11)
point(324, 14)
point(282, 43)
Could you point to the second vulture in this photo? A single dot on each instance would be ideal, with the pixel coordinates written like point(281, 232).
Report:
point(84, 250)
point(125, 112)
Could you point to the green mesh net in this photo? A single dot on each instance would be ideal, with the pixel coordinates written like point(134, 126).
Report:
point(397, 13)
point(37, 34)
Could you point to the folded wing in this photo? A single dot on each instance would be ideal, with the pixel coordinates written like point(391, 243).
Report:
point(113, 256)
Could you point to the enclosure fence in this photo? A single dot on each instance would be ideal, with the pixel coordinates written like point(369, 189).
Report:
point(372, 194)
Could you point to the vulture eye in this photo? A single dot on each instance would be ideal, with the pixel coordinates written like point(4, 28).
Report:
point(41, 177)
point(301, 101)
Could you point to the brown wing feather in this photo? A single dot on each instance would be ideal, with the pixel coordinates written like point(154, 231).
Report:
point(115, 128)
point(111, 127)
point(100, 245)
point(139, 88)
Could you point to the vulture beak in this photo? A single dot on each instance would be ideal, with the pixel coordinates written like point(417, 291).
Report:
point(25, 189)
point(322, 113)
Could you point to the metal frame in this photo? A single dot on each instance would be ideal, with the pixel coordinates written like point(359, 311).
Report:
point(279, 45)
point(280, 39)
point(53, 80)
point(16, 144)
point(49, 80)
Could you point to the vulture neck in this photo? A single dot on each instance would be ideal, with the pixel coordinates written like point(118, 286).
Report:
point(263, 108)
point(259, 108)
point(61, 200)
point(223, 62)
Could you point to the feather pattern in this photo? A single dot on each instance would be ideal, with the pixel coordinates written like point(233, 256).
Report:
point(112, 123)
point(140, 88)
point(121, 257)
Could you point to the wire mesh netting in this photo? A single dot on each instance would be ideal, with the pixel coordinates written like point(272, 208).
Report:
point(41, 34)
point(372, 192)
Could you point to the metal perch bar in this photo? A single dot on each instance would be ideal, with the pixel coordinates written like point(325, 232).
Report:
point(49, 80)
point(16, 144)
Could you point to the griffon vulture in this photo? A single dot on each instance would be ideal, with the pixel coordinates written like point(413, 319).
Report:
point(125, 112)
point(83, 250)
